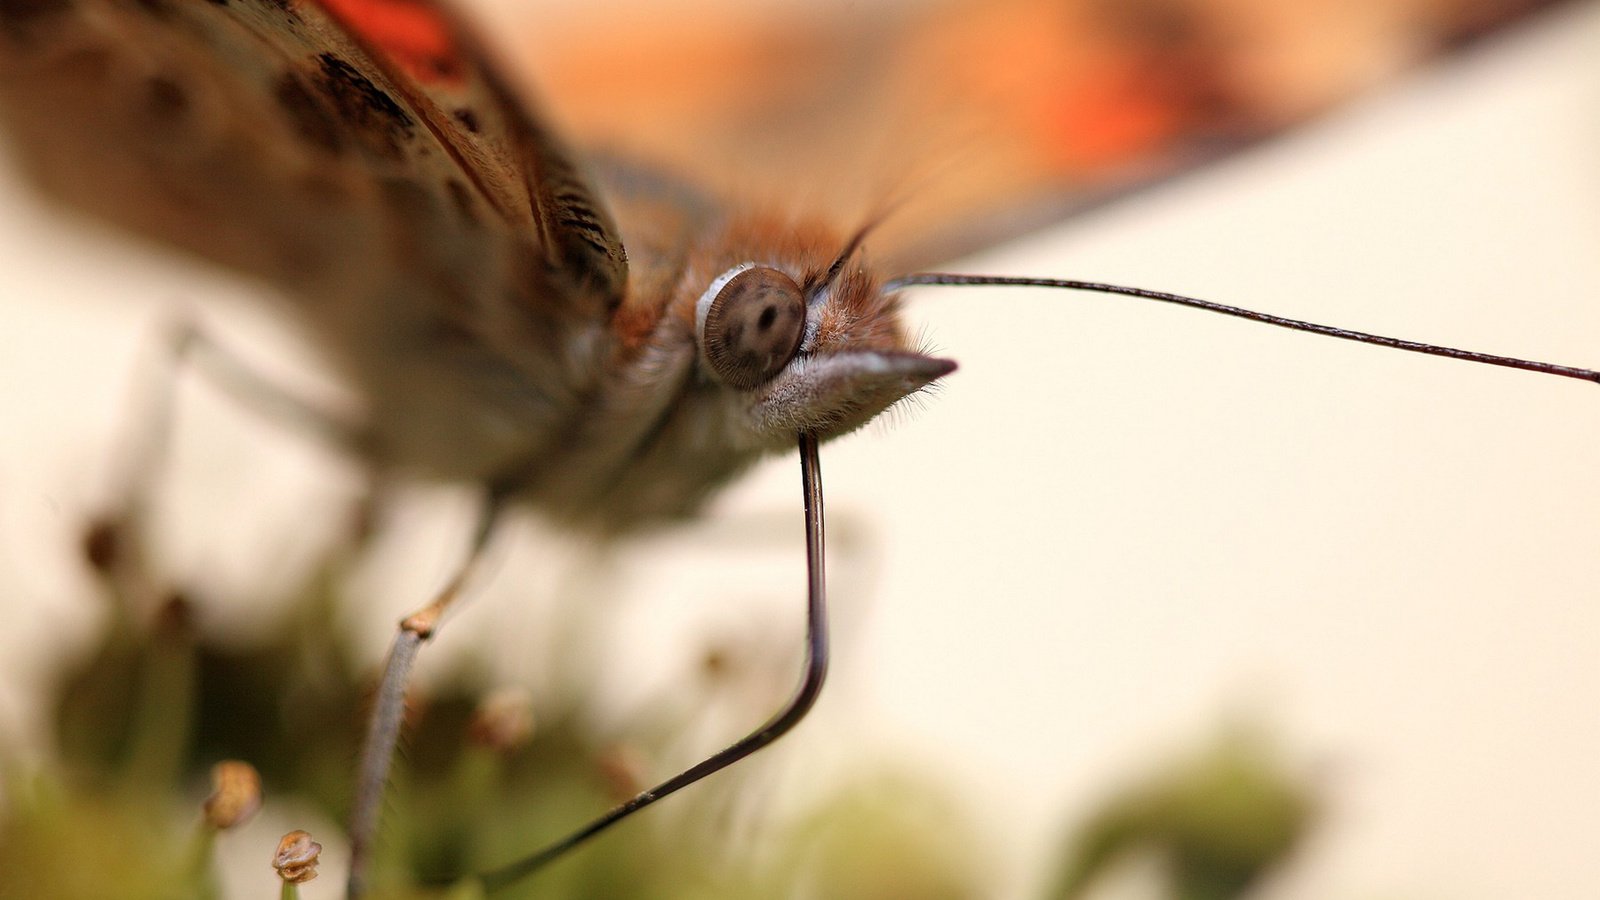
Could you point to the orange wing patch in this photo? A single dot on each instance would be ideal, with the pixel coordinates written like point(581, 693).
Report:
point(976, 120)
point(416, 36)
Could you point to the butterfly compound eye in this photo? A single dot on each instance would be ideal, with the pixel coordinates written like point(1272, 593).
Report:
point(753, 327)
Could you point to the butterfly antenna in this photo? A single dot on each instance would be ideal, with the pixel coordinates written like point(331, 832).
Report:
point(836, 268)
point(800, 703)
point(1510, 362)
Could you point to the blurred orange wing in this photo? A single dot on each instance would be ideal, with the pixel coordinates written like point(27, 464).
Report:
point(972, 120)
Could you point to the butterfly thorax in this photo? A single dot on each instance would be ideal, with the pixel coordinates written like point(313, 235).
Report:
point(640, 427)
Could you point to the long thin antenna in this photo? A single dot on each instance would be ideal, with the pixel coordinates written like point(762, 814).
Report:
point(1510, 362)
point(836, 268)
point(805, 695)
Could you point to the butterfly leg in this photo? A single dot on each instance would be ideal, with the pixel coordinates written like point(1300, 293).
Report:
point(800, 703)
point(383, 729)
point(110, 542)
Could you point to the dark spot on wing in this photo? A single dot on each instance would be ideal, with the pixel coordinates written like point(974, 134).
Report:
point(406, 197)
point(283, 6)
point(159, 9)
point(462, 197)
point(446, 68)
point(467, 118)
point(166, 100)
point(218, 2)
point(311, 122)
point(18, 18)
point(377, 121)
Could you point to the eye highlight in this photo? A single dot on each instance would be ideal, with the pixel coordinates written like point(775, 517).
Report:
point(753, 327)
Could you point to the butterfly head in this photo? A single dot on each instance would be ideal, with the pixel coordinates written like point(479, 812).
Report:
point(818, 351)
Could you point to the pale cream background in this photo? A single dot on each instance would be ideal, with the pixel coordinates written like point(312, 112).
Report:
point(1114, 528)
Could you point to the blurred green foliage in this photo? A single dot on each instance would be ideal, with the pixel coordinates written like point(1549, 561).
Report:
point(142, 716)
point(1218, 823)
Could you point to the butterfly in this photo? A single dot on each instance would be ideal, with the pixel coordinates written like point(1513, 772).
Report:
point(375, 132)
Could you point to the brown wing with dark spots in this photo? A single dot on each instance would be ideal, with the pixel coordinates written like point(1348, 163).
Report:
point(438, 243)
point(309, 143)
point(441, 72)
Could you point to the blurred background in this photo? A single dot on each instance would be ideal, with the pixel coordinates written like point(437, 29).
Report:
point(1119, 537)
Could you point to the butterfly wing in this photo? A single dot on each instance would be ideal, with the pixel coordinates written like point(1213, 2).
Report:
point(975, 120)
point(488, 131)
point(360, 156)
